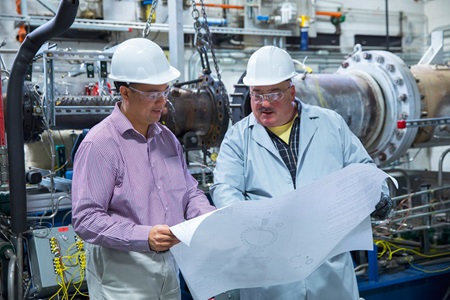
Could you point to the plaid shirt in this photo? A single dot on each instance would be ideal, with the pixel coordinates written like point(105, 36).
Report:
point(289, 153)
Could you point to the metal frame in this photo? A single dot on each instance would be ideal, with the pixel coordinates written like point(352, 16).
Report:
point(51, 110)
point(127, 26)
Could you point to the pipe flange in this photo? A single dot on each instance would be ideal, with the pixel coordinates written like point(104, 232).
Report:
point(400, 96)
point(220, 116)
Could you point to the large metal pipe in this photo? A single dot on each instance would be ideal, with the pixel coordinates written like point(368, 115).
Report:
point(434, 88)
point(355, 98)
point(14, 118)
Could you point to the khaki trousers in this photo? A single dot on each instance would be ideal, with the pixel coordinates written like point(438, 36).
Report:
point(116, 275)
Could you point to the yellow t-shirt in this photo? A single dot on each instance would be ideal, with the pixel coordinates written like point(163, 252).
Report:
point(283, 131)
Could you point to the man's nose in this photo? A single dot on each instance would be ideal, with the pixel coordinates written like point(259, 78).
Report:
point(265, 99)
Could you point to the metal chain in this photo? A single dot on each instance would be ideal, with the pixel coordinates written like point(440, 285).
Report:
point(199, 35)
point(208, 36)
point(146, 30)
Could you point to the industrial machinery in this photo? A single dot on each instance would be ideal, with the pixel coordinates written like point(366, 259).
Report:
point(391, 107)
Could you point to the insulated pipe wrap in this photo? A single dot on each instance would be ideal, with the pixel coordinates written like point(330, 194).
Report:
point(14, 118)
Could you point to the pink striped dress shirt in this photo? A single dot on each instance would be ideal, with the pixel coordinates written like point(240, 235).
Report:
point(124, 183)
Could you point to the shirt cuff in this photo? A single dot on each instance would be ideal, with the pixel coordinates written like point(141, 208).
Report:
point(139, 239)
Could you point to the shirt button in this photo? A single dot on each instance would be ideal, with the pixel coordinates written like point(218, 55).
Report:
point(158, 187)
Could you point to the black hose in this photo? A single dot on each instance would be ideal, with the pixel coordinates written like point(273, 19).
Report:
point(62, 21)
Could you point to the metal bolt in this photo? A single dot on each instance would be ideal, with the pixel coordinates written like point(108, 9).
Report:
point(398, 81)
point(382, 156)
point(367, 55)
point(390, 68)
point(392, 148)
point(37, 110)
point(345, 64)
point(380, 59)
point(402, 97)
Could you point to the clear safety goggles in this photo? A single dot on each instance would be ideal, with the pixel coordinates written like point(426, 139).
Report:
point(152, 96)
point(272, 97)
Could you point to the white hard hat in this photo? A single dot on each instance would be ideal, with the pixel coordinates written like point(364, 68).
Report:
point(140, 60)
point(269, 65)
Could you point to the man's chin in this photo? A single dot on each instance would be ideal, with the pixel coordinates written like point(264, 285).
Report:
point(267, 123)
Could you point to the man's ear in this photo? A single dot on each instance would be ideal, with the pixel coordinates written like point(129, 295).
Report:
point(125, 92)
point(292, 91)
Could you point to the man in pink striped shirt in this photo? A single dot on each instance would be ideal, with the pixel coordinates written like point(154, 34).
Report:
point(130, 183)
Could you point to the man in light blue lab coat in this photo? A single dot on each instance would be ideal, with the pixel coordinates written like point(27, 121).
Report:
point(284, 144)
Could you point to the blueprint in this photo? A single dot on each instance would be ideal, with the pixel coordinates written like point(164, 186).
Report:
point(279, 240)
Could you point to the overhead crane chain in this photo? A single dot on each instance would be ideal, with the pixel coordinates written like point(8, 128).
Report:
point(198, 35)
point(195, 14)
point(146, 30)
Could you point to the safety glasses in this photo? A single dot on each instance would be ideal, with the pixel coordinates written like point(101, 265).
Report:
point(272, 97)
point(152, 96)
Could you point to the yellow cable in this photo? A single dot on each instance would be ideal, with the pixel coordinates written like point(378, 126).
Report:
point(65, 263)
point(428, 271)
point(322, 101)
point(387, 245)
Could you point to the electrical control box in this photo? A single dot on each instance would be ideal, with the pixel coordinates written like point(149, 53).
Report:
point(57, 261)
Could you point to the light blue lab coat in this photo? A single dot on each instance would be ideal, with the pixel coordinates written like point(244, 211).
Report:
point(249, 167)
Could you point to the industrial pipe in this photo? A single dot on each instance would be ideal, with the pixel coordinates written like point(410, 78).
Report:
point(14, 117)
point(11, 274)
point(3, 149)
point(2, 118)
point(329, 13)
point(440, 166)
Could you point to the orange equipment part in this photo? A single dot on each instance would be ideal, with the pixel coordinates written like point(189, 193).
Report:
point(329, 13)
point(22, 33)
point(18, 8)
